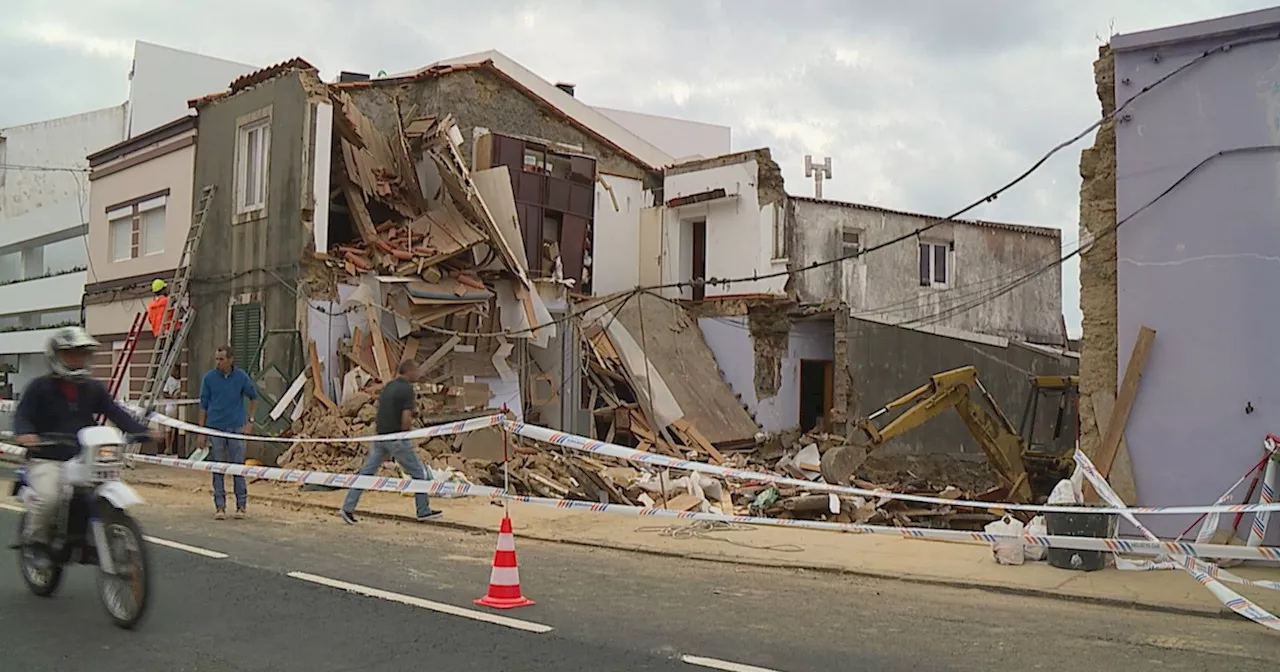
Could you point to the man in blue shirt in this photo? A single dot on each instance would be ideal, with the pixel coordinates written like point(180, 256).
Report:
point(222, 393)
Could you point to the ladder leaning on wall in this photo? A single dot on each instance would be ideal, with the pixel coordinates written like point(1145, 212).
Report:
point(179, 315)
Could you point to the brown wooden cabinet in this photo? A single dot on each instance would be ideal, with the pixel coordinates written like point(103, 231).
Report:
point(551, 189)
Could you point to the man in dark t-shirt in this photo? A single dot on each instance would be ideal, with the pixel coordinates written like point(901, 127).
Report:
point(395, 414)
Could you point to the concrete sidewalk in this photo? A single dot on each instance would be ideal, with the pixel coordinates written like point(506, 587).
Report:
point(925, 561)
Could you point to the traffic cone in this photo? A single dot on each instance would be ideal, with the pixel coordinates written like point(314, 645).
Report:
point(504, 581)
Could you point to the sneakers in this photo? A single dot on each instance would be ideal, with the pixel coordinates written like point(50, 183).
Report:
point(431, 515)
point(220, 515)
point(347, 517)
point(239, 514)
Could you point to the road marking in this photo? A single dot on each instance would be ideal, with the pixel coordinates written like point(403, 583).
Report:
point(517, 624)
point(184, 547)
point(155, 540)
point(725, 665)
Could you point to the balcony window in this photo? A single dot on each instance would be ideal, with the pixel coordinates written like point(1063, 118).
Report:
point(10, 267)
point(63, 256)
point(137, 230)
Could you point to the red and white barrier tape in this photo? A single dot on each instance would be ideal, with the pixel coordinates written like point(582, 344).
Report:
point(1206, 573)
point(584, 444)
point(442, 488)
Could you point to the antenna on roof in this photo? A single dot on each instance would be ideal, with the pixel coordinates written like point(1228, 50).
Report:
point(818, 172)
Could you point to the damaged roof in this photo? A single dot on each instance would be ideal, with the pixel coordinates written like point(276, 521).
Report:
point(1046, 231)
point(573, 110)
point(254, 78)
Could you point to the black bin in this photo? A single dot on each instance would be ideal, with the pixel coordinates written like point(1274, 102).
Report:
point(1095, 525)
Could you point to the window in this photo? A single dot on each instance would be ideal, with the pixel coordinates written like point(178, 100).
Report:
point(780, 242)
point(137, 229)
point(9, 363)
point(850, 242)
point(63, 256)
point(153, 231)
point(251, 165)
point(10, 267)
point(934, 271)
point(58, 318)
point(246, 334)
point(40, 319)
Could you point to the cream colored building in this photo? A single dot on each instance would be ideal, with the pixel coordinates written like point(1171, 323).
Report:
point(140, 203)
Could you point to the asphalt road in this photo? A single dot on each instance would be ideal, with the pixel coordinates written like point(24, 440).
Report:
point(246, 609)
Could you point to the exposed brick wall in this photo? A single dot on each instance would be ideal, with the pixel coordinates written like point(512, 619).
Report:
point(104, 361)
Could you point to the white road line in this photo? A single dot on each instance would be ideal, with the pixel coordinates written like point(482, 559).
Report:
point(196, 550)
point(517, 624)
point(184, 547)
point(725, 665)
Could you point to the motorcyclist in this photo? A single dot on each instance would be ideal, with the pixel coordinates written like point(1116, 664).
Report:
point(62, 402)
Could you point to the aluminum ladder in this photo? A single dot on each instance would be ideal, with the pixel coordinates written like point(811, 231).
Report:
point(169, 345)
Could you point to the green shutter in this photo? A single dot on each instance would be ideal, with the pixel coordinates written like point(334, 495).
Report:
point(246, 334)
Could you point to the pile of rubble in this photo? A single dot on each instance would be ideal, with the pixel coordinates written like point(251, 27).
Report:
point(424, 272)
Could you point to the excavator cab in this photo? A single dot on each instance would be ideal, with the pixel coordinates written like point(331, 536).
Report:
point(1049, 429)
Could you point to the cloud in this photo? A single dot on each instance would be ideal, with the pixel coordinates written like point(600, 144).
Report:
point(922, 105)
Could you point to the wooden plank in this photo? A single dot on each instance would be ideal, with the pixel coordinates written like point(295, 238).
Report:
point(440, 354)
point(410, 350)
point(694, 435)
point(360, 213)
point(317, 379)
point(1119, 417)
point(1122, 478)
point(379, 346)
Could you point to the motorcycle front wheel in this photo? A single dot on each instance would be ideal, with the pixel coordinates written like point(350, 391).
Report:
point(39, 571)
point(126, 593)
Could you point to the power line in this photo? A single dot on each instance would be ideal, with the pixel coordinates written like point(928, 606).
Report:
point(31, 168)
point(1110, 230)
point(993, 195)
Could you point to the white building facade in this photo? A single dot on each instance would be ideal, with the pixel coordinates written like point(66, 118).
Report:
point(45, 204)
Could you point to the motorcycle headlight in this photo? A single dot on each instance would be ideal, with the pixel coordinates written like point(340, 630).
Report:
point(108, 453)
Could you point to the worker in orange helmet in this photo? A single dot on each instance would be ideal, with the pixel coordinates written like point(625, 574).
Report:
point(158, 313)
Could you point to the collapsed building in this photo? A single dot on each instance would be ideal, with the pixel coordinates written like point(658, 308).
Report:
point(487, 225)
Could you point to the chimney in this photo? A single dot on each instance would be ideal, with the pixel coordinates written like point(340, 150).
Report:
point(566, 87)
point(345, 76)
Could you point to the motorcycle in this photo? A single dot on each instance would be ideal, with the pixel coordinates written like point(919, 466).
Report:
point(92, 526)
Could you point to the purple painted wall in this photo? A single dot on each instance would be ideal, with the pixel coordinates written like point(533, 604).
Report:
point(1202, 265)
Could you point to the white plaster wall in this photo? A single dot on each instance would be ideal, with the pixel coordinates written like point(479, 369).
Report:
point(680, 138)
point(164, 79)
point(52, 293)
point(173, 171)
point(616, 237)
point(730, 341)
point(57, 143)
point(739, 231)
point(885, 284)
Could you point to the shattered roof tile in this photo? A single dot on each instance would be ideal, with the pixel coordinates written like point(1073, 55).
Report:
point(253, 78)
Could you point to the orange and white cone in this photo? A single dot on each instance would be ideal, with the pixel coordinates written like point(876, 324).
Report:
point(504, 581)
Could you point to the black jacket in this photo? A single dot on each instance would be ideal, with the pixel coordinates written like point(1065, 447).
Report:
point(53, 405)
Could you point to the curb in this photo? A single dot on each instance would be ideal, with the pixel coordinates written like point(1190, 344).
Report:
point(1207, 612)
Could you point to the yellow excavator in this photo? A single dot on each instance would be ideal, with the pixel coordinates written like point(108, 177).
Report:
point(1028, 462)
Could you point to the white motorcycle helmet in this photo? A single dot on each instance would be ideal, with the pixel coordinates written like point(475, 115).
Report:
point(63, 340)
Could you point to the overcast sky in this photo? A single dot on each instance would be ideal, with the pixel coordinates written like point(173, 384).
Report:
point(923, 105)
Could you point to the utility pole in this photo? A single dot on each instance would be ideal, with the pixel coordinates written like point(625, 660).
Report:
point(818, 172)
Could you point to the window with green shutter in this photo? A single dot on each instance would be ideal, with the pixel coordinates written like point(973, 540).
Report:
point(246, 334)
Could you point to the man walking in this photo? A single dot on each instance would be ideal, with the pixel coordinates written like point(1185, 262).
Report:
point(222, 393)
point(395, 414)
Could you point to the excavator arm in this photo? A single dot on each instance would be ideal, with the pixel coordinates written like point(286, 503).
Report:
point(953, 389)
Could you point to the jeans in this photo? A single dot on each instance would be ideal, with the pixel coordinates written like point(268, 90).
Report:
point(44, 477)
point(400, 450)
point(227, 450)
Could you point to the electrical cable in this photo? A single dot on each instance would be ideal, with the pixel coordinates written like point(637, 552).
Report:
point(1110, 230)
point(993, 195)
